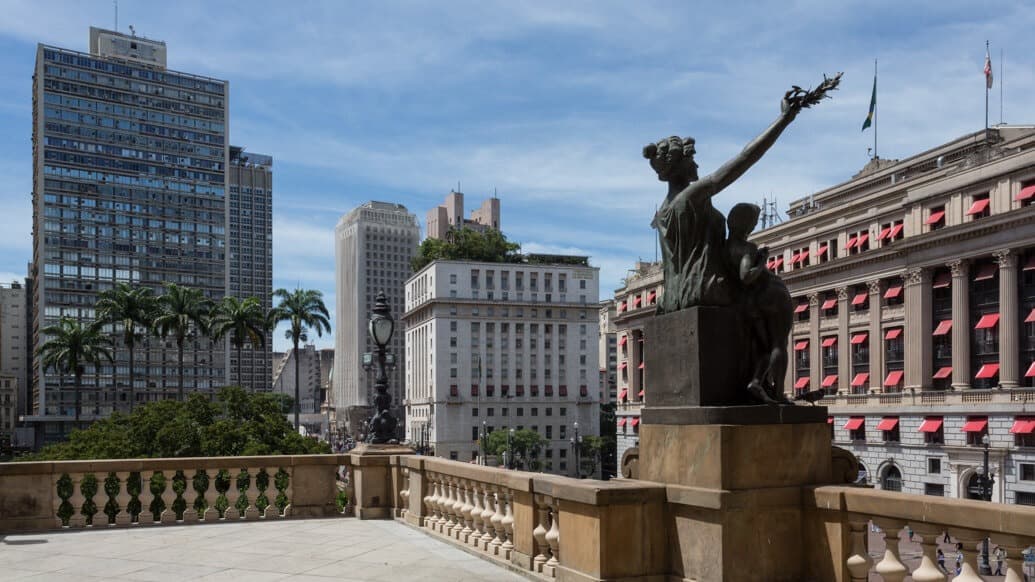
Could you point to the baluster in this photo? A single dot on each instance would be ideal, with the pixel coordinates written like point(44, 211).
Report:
point(553, 538)
point(891, 567)
point(146, 517)
point(405, 493)
point(1013, 560)
point(928, 570)
point(271, 511)
point(124, 497)
point(858, 561)
point(447, 507)
point(251, 512)
point(58, 501)
point(232, 495)
point(489, 509)
point(168, 496)
point(77, 500)
point(190, 497)
point(970, 540)
point(102, 486)
point(465, 510)
point(496, 522)
point(288, 491)
point(350, 491)
point(477, 526)
point(211, 495)
point(430, 511)
point(508, 525)
point(458, 508)
point(539, 535)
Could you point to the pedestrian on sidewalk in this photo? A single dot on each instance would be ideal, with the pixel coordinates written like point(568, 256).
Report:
point(999, 556)
point(959, 557)
point(941, 561)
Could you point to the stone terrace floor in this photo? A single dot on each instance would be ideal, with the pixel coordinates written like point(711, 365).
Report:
point(315, 550)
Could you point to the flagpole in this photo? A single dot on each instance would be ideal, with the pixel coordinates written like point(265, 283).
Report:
point(986, 92)
point(1002, 79)
point(875, 156)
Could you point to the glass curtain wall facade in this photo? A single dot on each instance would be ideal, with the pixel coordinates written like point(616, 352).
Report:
point(129, 187)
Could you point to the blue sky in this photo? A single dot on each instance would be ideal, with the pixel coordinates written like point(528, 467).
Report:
point(548, 103)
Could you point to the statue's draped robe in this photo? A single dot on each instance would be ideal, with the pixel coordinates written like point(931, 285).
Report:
point(692, 235)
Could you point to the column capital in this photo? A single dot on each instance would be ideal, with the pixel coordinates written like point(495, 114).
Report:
point(914, 276)
point(1006, 258)
point(842, 293)
point(813, 299)
point(873, 287)
point(959, 267)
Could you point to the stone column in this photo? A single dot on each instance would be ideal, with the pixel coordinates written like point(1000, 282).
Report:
point(844, 346)
point(918, 339)
point(1009, 322)
point(960, 324)
point(876, 338)
point(815, 351)
point(788, 377)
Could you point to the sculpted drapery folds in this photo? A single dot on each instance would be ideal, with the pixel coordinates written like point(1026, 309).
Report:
point(705, 267)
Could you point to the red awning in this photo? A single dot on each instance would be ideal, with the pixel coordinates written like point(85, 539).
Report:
point(859, 338)
point(829, 341)
point(830, 420)
point(802, 382)
point(640, 366)
point(1023, 426)
point(1031, 371)
point(894, 377)
point(637, 301)
point(830, 380)
point(860, 379)
point(943, 372)
point(801, 345)
point(893, 292)
point(634, 422)
point(988, 371)
point(988, 320)
point(884, 233)
point(621, 421)
point(975, 424)
point(860, 298)
point(887, 423)
point(1031, 317)
point(778, 263)
point(893, 333)
point(804, 306)
point(855, 422)
point(862, 239)
point(987, 271)
point(621, 306)
point(978, 206)
point(1025, 193)
point(622, 366)
point(895, 230)
point(931, 424)
point(830, 304)
point(942, 280)
point(943, 327)
point(821, 250)
point(623, 340)
point(795, 258)
point(1029, 265)
point(936, 217)
point(652, 295)
point(851, 242)
point(640, 394)
point(622, 394)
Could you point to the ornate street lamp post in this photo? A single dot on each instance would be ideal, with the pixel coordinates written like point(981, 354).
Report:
point(382, 426)
point(987, 480)
point(576, 445)
point(510, 449)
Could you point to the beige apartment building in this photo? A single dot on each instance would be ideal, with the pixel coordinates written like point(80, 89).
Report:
point(450, 214)
point(915, 290)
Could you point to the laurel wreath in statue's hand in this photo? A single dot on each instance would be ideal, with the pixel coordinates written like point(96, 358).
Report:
point(797, 98)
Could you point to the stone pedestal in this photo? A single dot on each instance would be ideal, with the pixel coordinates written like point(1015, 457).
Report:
point(375, 488)
point(734, 471)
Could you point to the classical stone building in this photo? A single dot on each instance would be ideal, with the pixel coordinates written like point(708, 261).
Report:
point(607, 352)
point(635, 303)
point(914, 285)
point(499, 346)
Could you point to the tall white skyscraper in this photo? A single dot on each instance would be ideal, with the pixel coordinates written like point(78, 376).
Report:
point(373, 247)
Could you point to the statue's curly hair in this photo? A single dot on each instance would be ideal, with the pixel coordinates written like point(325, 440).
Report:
point(685, 146)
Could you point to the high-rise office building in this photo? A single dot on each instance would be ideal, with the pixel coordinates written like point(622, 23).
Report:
point(450, 215)
point(15, 352)
point(500, 346)
point(374, 245)
point(250, 260)
point(129, 182)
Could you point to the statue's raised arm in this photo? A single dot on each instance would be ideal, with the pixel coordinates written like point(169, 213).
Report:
point(793, 102)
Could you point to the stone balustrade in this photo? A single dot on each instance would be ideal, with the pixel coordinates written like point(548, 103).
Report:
point(898, 399)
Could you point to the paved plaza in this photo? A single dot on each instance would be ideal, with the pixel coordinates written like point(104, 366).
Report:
point(319, 550)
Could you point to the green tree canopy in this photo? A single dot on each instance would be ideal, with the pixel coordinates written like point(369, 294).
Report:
point(131, 307)
point(181, 311)
point(237, 423)
point(244, 321)
point(69, 347)
point(527, 446)
point(303, 310)
point(467, 244)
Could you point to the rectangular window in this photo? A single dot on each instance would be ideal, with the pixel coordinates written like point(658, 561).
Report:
point(1027, 471)
point(934, 466)
point(934, 489)
point(1025, 498)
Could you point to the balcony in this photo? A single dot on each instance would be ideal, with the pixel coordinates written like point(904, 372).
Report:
point(896, 400)
point(407, 517)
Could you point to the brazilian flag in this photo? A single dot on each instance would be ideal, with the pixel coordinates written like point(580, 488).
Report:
point(873, 106)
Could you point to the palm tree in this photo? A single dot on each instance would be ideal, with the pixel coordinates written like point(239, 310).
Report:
point(243, 321)
point(302, 309)
point(180, 311)
point(71, 346)
point(131, 307)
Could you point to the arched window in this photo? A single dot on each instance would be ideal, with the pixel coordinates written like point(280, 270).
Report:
point(864, 475)
point(974, 487)
point(892, 479)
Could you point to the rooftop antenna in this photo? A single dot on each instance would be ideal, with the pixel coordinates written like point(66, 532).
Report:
point(770, 214)
point(132, 30)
